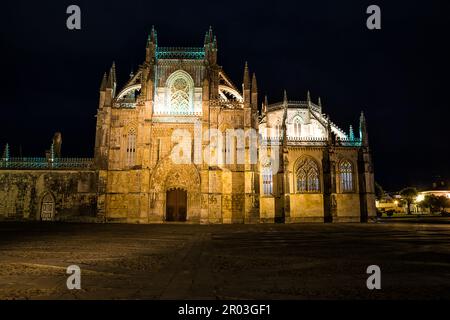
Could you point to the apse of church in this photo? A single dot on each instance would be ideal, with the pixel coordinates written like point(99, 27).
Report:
point(180, 142)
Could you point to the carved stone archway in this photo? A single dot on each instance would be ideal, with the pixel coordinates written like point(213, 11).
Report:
point(169, 176)
point(47, 207)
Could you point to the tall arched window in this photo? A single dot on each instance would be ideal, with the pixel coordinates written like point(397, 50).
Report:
point(278, 130)
point(297, 127)
point(131, 147)
point(225, 148)
point(346, 175)
point(180, 86)
point(307, 174)
point(267, 178)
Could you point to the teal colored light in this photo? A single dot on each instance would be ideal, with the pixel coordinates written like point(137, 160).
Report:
point(352, 135)
point(44, 163)
point(180, 53)
point(6, 153)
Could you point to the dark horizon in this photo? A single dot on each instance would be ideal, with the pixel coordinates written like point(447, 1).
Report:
point(397, 75)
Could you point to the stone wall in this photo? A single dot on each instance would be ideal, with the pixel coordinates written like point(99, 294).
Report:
point(74, 194)
point(306, 208)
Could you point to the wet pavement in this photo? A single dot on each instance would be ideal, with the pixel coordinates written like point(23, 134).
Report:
point(181, 261)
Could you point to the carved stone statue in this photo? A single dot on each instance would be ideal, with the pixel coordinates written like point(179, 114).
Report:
point(57, 141)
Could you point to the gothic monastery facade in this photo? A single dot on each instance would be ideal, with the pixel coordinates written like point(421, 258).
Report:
point(181, 142)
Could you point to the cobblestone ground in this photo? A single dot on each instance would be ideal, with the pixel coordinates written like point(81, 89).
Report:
point(173, 261)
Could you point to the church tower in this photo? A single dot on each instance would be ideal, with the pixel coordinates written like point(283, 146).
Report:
point(107, 93)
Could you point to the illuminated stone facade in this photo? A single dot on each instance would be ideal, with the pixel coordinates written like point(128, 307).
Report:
point(284, 163)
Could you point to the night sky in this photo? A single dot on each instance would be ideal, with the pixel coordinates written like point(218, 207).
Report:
point(398, 75)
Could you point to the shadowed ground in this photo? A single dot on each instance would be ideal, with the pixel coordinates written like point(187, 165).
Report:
point(176, 261)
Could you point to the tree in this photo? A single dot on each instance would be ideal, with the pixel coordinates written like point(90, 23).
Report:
point(430, 201)
point(435, 203)
point(442, 203)
point(409, 194)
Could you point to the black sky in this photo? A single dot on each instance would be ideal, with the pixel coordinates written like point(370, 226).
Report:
point(398, 75)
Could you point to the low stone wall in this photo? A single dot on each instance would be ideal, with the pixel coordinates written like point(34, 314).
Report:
point(74, 194)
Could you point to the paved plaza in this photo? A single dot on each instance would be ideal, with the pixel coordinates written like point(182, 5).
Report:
point(182, 261)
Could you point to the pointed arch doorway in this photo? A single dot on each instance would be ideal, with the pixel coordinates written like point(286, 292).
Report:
point(47, 208)
point(176, 205)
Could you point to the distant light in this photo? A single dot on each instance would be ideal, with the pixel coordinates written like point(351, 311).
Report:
point(420, 198)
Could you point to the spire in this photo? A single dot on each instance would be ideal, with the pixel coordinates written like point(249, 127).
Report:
point(285, 107)
point(254, 84)
point(152, 43)
point(351, 134)
point(149, 40)
point(103, 84)
point(154, 36)
point(265, 105)
point(283, 124)
point(215, 43)
point(210, 33)
point(210, 46)
point(6, 153)
point(113, 71)
point(210, 38)
point(254, 94)
point(363, 130)
point(111, 82)
point(246, 82)
point(319, 103)
point(329, 131)
point(308, 96)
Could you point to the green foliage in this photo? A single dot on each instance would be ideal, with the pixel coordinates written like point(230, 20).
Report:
point(390, 213)
point(430, 202)
point(435, 203)
point(445, 201)
point(408, 194)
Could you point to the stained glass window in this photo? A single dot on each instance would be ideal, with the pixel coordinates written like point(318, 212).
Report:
point(181, 89)
point(267, 176)
point(346, 175)
point(307, 176)
point(131, 147)
point(297, 127)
